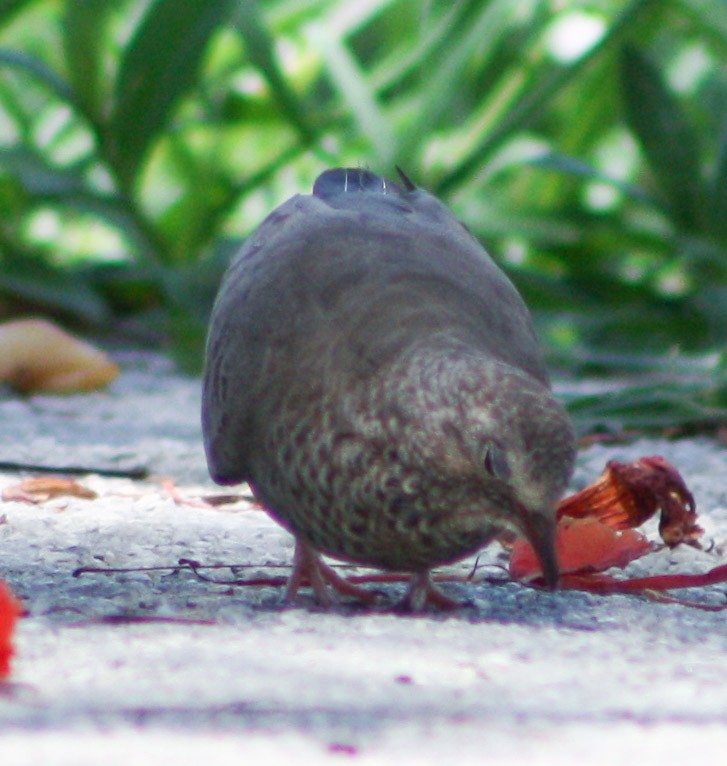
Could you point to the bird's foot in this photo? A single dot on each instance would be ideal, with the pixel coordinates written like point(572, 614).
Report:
point(422, 592)
point(309, 569)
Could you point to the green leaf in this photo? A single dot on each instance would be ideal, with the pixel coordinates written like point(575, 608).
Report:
point(648, 407)
point(43, 183)
point(474, 37)
point(575, 167)
point(39, 71)
point(85, 46)
point(534, 98)
point(260, 50)
point(36, 176)
point(712, 299)
point(354, 88)
point(718, 193)
point(668, 140)
point(668, 392)
point(31, 281)
point(8, 8)
point(710, 16)
point(157, 69)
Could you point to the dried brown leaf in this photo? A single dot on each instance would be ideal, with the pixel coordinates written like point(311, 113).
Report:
point(44, 488)
point(36, 356)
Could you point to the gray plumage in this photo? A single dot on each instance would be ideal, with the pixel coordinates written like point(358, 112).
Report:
point(375, 377)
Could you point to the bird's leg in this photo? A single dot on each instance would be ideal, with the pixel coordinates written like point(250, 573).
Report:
point(422, 592)
point(308, 568)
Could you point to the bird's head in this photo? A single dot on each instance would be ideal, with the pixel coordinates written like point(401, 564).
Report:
point(501, 433)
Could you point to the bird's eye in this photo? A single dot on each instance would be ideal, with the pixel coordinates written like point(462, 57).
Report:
point(495, 461)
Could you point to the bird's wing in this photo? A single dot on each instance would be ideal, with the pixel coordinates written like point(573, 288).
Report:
point(338, 283)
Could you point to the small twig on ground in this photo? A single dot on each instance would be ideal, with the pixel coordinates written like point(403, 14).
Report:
point(132, 472)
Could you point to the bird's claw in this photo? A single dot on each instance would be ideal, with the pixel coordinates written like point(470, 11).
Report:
point(422, 592)
point(309, 569)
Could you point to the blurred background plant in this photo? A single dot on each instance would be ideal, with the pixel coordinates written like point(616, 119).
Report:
point(583, 141)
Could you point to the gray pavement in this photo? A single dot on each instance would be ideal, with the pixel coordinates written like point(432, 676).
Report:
point(227, 674)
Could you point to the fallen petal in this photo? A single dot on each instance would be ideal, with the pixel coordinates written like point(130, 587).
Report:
point(583, 545)
point(10, 610)
point(628, 494)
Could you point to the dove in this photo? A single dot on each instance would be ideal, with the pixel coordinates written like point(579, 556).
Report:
point(375, 378)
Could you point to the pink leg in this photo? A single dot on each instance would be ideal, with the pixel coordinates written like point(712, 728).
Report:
point(308, 569)
point(422, 593)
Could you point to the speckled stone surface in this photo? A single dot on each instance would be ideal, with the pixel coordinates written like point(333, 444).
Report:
point(233, 676)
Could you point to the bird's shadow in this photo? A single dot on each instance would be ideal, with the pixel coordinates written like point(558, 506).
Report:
point(497, 601)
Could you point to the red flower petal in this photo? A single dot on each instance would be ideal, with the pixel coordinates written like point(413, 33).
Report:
point(10, 610)
point(583, 545)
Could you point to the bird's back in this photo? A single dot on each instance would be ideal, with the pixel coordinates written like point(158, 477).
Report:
point(336, 285)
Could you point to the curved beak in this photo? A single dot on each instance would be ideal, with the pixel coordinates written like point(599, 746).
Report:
point(540, 531)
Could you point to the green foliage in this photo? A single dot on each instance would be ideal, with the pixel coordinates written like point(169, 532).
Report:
point(157, 69)
point(679, 396)
point(141, 140)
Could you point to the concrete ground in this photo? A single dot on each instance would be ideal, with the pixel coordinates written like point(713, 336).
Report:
point(160, 666)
